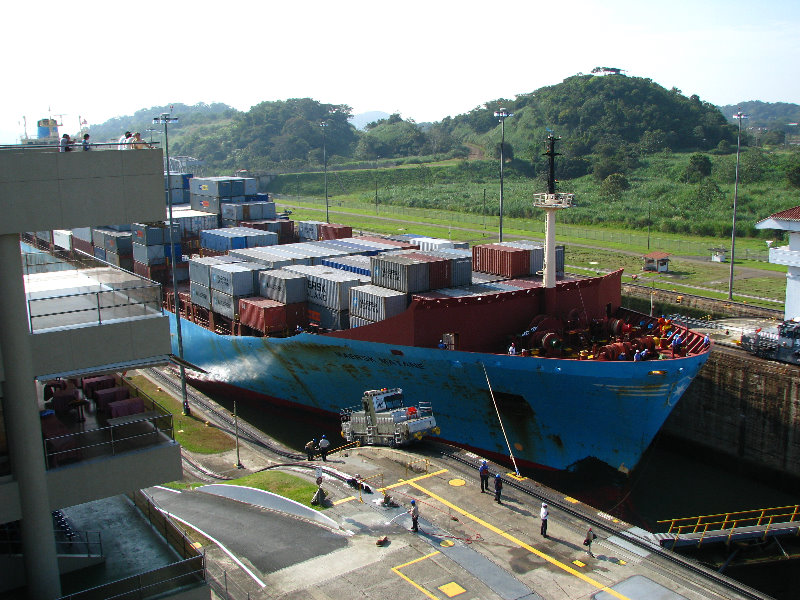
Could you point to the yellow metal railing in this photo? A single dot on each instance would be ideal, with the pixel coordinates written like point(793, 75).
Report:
point(730, 521)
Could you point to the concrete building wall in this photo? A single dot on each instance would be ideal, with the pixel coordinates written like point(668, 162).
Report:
point(53, 190)
point(74, 349)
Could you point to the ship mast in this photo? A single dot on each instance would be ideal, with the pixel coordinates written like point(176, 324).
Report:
point(551, 202)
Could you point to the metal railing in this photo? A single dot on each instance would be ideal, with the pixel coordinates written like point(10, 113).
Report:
point(158, 582)
point(121, 295)
point(706, 525)
point(76, 145)
point(82, 543)
point(111, 440)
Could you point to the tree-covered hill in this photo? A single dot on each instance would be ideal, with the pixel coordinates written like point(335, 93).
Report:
point(605, 122)
point(198, 115)
point(770, 115)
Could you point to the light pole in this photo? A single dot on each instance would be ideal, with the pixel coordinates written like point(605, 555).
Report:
point(739, 115)
point(165, 119)
point(324, 125)
point(502, 114)
point(649, 203)
point(239, 464)
point(376, 184)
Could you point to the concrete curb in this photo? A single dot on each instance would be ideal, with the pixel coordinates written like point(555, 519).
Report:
point(268, 500)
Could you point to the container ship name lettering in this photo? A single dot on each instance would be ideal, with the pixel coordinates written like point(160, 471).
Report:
point(385, 361)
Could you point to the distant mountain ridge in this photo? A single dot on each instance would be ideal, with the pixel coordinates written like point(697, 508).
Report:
point(771, 115)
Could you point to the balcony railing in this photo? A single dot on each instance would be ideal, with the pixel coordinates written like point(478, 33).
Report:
point(71, 288)
point(784, 256)
point(151, 427)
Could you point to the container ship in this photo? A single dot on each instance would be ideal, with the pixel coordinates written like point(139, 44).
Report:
point(517, 357)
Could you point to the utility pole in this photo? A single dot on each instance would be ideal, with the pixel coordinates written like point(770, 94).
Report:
point(324, 125)
point(165, 119)
point(739, 115)
point(502, 114)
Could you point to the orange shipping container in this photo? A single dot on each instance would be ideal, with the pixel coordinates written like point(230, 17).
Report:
point(268, 316)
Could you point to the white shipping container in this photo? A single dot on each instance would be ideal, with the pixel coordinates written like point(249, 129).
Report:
point(200, 268)
point(282, 286)
point(426, 243)
point(326, 286)
point(359, 322)
point(225, 304)
point(200, 295)
point(400, 273)
point(262, 256)
point(235, 279)
point(62, 238)
point(308, 230)
point(376, 303)
point(148, 255)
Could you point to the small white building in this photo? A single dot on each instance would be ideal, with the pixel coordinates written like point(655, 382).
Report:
point(719, 255)
point(656, 261)
point(787, 220)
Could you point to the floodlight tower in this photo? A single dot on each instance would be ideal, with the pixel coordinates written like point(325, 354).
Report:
point(165, 119)
point(739, 115)
point(502, 114)
point(324, 125)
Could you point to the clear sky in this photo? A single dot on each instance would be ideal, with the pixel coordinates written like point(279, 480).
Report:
point(425, 60)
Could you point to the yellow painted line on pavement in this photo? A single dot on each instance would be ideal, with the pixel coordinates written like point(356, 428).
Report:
point(412, 480)
point(343, 500)
point(411, 581)
point(394, 485)
point(521, 544)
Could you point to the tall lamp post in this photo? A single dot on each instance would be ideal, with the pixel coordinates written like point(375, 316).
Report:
point(502, 114)
point(165, 119)
point(324, 125)
point(739, 115)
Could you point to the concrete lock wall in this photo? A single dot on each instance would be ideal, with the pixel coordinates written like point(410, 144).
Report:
point(744, 408)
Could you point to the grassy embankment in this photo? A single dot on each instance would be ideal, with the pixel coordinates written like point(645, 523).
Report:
point(196, 436)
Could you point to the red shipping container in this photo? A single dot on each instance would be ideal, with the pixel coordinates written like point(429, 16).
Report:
point(331, 231)
point(157, 273)
point(266, 316)
point(82, 245)
point(286, 235)
point(500, 260)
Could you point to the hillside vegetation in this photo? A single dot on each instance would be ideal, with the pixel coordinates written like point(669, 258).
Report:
point(636, 154)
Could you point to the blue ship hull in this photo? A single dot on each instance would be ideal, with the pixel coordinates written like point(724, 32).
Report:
point(556, 412)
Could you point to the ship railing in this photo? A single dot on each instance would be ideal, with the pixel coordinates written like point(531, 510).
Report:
point(708, 525)
point(99, 292)
point(75, 146)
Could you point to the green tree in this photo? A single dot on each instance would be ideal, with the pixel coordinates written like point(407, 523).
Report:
point(614, 185)
point(698, 168)
point(793, 174)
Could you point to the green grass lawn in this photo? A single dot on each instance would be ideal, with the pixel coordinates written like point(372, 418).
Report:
point(283, 484)
point(191, 432)
point(620, 247)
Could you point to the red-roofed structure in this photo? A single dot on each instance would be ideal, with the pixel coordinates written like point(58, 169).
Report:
point(656, 261)
point(787, 220)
